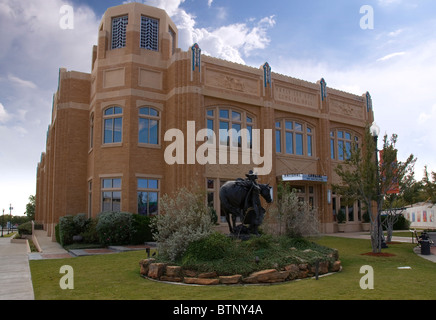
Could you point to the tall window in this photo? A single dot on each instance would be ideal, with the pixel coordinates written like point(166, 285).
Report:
point(294, 137)
point(148, 125)
point(111, 195)
point(119, 32)
point(341, 143)
point(113, 125)
point(225, 119)
point(148, 196)
point(149, 33)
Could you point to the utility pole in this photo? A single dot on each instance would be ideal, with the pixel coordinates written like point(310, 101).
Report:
point(3, 220)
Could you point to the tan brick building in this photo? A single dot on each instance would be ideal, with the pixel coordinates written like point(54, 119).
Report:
point(106, 142)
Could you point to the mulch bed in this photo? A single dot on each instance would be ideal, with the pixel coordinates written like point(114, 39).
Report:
point(378, 254)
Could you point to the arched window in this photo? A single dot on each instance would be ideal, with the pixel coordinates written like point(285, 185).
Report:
point(221, 119)
point(341, 142)
point(113, 125)
point(148, 126)
point(294, 138)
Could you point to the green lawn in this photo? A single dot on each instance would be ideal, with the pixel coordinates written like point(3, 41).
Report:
point(116, 276)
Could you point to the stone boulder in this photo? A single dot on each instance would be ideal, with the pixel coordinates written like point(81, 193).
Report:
point(145, 265)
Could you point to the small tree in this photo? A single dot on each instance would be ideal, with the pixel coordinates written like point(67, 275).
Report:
point(363, 180)
point(297, 217)
point(184, 219)
point(30, 208)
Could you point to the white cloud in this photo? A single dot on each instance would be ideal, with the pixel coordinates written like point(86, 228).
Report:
point(21, 82)
point(4, 116)
point(392, 55)
point(209, 3)
point(232, 42)
point(428, 118)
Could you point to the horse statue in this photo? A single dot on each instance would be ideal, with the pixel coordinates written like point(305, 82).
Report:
point(241, 198)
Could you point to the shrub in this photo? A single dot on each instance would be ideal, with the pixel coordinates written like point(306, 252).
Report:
point(141, 229)
point(209, 248)
point(70, 226)
point(67, 230)
point(25, 228)
point(298, 217)
point(184, 219)
point(114, 228)
point(90, 234)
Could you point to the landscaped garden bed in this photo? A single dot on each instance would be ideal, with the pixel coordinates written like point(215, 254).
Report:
point(219, 259)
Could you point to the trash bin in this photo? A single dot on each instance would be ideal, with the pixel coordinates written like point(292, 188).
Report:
point(425, 247)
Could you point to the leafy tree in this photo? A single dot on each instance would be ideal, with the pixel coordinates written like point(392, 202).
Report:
point(363, 180)
point(429, 186)
point(30, 208)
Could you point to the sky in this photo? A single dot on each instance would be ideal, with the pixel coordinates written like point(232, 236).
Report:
point(385, 47)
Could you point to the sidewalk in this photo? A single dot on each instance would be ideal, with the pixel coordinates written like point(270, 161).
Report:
point(15, 278)
point(49, 249)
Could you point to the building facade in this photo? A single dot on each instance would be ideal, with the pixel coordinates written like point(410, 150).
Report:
point(151, 118)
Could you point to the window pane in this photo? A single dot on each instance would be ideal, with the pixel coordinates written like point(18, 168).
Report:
point(142, 203)
point(116, 183)
point(118, 110)
point(210, 113)
point(332, 148)
point(107, 183)
point(340, 134)
point(236, 137)
point(152, 184)
point(289, 143)
point(210, 132)
point(154, 132)
point(210, 183)
point(142, 184)
point(347, 136)
point(107, 201)
point(154, 112)
point(309, 130)
point(143, 130)
point(249, 120)
point(224, 128)
point(278, 141)
point(236, 116)
point(144, 111)
point(288, 125)
point(117, 129)
point(152, 203)
point(299, 144)
point(341, 150)
point(116, 201)
point(278, 124)
point(298, 126)
point(348, 149)
point(309, 146)
point(109, 112)
point(108, 135)
point(224, 114)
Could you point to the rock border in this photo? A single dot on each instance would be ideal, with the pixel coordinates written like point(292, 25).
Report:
point(149, 268)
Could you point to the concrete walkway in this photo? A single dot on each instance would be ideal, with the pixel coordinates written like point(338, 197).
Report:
point(15, 278)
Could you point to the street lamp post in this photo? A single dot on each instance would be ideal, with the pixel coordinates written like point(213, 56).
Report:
point(10, 213)
point(375, 131)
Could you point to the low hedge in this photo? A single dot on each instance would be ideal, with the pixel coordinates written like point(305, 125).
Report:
point(108, 228)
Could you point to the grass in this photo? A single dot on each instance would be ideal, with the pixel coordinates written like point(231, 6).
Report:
point(116, 277)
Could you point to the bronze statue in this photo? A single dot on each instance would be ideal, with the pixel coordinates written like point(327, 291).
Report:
point(240, 198)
